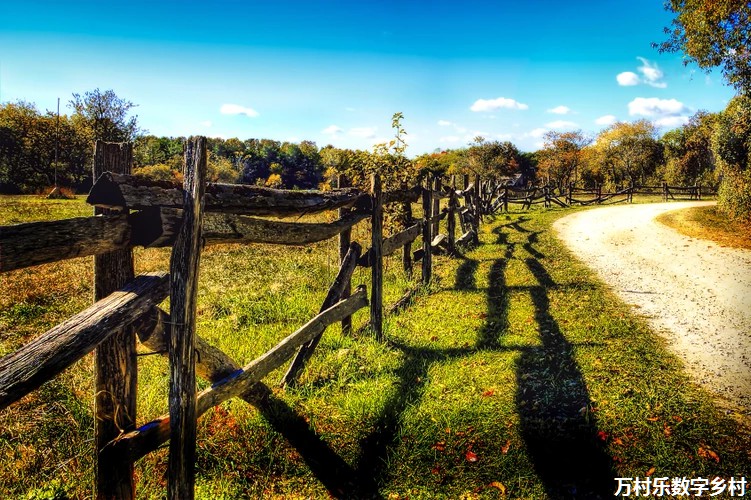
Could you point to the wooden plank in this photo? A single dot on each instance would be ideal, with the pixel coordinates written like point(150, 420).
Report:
point(436, 204)
point(37, 243)
point(334, 295)
point(52, 352)
point(376, 258)
point(137, 443)
point(393, 243)
point(125, 191)
point(115, 372)
point(184, 266)
point(451, 224)
point(466, 238)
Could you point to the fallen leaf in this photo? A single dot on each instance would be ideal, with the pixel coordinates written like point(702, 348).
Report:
point(499, 486)
point(471, 456)
point(439, 446)
point(653, 419)
point(434, 338)
point(505, 447)
point(667, 431)
point(650, 471)
point(706, 452)
point(618, 441)
point(602, 435)
point(677, 418)
point(488, 393)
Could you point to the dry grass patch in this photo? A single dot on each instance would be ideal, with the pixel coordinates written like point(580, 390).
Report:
point(708, 223)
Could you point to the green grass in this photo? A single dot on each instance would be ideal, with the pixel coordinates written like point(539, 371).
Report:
point(518, 370)
point(710, 224)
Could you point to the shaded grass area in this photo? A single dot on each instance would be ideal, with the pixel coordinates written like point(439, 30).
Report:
point(516, 372)
point(708, 223)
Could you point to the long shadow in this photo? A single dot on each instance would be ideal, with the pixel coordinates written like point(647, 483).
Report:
point(552, 399)
point(340, 479)
point(465, 275)
point(497, 297)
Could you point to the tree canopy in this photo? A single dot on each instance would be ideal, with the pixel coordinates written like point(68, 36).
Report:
point(713, 33)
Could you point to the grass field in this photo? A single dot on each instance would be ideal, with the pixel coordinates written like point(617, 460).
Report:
point(709, 224)
point(516, 373)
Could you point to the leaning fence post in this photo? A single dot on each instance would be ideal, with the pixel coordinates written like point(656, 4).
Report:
point(427, 257)
point(115, 359)
point(407, 249)
point(505, 198)
point(376, 297)
point(344, 240)
point(184, 265)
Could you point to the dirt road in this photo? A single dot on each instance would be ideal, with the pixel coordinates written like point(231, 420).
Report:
point(694, 292)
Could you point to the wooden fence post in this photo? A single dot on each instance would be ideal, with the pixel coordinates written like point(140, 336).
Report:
point(665, 191)
point(184, 264)
point(436, 204)
point(407, 249)
point(344, 240)
point(115, 368)
point(376, 249)
point(427, 257)
point(451, 223)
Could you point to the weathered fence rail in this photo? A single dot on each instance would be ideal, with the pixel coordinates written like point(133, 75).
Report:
point(131, 212)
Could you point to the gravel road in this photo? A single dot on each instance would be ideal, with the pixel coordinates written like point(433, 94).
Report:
point(694, 292)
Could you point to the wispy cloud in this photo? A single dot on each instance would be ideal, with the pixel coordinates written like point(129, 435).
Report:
point(484, 105)
point(651, 75)
point(236, 109)
point(560, 110)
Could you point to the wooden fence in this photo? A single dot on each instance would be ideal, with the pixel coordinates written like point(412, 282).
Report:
point(130, 212)
point(502, 196)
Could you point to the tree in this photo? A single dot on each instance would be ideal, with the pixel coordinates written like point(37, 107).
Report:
point(731, 145)
point(105, 115)
point(713, 33)
point(688, 151)
point(492, 159)
point(626, 152)
point(561, 156)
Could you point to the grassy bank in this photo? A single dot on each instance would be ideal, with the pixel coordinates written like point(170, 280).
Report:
point(518, 372)
point(709, 223)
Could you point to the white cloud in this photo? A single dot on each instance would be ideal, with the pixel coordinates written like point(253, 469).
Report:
point(561, 124)
point(236, 109)
point(627, 78)
point(560, 110)
point(654, 107)
point(363, 132)
point(497, 103)
point(652, 73)
point(606, 120)
point(444, 123)
point(332, 130)
point(450, 139)
point(206, 123)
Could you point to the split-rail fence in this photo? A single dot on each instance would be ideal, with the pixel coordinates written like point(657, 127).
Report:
point(131, 212)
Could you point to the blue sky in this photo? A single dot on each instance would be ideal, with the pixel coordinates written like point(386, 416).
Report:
point(334, 72)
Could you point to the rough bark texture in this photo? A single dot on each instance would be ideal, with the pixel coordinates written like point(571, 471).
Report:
point(376, 258)
point(345, 237)
point(393, 243)
point(41, 359)
point(125, 191)
point(115, 368)
point(427, 259)
point(184, 265)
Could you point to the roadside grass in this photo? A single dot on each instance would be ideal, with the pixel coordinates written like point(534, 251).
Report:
point(708, 223)
point(517, 372)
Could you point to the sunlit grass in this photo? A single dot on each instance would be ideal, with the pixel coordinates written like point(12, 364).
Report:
point(516, 363)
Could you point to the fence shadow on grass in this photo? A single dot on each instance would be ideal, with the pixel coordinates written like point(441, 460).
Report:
point(553, 402)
